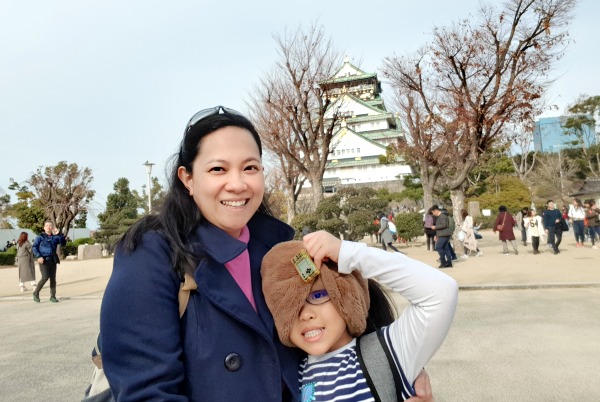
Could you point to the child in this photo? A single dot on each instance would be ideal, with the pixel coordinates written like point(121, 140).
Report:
point(535, 230)
point(324, 315)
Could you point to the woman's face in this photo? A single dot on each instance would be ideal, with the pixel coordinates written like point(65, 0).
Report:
point(227, 180)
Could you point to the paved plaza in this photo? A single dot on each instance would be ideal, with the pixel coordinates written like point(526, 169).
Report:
point(527, 328)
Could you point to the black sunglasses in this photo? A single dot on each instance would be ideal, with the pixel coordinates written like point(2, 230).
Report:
point(204, 113)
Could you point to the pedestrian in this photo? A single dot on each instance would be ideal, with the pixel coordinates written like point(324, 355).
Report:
point(535, 230)
point(519, 218)
point(504, 226)
point(25, 261)
point(429, 232)
point(44, 251)
point(376, 229)
point(552, 226)
point(576, 216)
point(443, 232)
point(211, 233)
point(326, 313)
point(385, 234)
point(468, 235)
point(593, 217)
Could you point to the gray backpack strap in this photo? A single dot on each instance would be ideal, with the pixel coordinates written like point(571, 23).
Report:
point(378, 367)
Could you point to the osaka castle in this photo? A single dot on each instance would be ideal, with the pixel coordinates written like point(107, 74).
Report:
point(363, 131)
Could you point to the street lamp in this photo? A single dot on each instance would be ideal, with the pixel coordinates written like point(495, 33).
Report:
point(149, 171)
point(560, 169)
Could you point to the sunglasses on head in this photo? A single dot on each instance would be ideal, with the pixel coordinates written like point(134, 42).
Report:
point(204, 113)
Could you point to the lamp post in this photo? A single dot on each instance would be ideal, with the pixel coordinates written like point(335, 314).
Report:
point(560, 169)
point(149, 171)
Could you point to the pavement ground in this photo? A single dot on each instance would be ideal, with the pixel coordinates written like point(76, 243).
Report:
point(527, 328)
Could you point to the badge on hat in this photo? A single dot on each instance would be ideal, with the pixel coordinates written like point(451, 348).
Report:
point(305, 266)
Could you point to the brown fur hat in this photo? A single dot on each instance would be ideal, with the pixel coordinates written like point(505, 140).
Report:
point(285, 291)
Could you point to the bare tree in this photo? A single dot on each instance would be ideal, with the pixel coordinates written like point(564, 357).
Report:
point(581, 125)
point(524, 161)
point(477, 76)
point(63, 191)
point(289, 105)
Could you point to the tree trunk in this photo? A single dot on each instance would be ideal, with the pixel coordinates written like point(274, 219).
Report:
point(291, 208)
point(316, 187)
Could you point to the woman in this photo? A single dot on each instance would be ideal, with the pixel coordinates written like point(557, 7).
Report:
point(428, 222)
point(215, 227)
point(535, 230)
point(469, 240)
point(504, 226)
point(25, 258)
point(576, 217)
point(385, 233)
point(593, 217)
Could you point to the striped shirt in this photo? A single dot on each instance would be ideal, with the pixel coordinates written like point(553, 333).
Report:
point(338, 376)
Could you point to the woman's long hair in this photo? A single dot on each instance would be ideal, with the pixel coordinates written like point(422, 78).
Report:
point(382, 309)
point(179, 214)
point(22, 238)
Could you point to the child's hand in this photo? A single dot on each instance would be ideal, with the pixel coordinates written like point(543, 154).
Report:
point(422, 387)
point(322, 246)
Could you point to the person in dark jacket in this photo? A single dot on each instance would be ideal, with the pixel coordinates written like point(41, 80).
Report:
point(214, 228)
point(552, 220)
point(44, 251)
point(443, 233)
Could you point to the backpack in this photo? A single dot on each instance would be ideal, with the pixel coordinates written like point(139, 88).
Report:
point(392, 227)
point(99, 388)
point(383, 379)
point(451, 223)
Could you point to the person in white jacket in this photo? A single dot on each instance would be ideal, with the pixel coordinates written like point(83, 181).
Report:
point(576, 216)
point(535, 230)
point(323, 313)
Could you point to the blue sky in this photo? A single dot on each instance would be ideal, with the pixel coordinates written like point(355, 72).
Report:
point(110, 84)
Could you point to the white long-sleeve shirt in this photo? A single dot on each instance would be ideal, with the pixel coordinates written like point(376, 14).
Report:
point(413, 338)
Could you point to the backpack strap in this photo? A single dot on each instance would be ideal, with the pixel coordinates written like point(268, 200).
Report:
point(378, 367)
point(183, 296)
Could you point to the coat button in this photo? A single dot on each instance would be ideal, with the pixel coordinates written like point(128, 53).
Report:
point(233, 361)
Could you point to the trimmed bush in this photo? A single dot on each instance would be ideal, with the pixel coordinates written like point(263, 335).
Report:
point(8, 257)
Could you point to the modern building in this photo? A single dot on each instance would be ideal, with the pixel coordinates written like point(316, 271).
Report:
point(364, 129)
point(549, 134)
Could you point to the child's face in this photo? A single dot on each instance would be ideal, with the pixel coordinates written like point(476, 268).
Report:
point(319, 328)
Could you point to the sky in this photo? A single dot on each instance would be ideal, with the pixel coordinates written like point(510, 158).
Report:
point(110, 84)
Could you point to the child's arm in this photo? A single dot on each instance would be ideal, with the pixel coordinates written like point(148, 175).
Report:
point(422, 327)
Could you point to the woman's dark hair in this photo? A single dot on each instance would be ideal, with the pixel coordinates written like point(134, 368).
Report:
point(502, 208)
point(382, 310)
point(22, 238)
point(464, 213)
point(577, 202)
point(180, 215)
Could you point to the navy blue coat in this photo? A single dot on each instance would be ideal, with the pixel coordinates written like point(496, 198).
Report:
point(220, 350)
point(45, 246)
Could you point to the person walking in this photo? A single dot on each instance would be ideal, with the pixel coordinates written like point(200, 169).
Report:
point(576, 216)
point(519, 218)
point(386, 235)
point(468, 235)
point(504, 226)
point(443, 233)
point(25, 261)
point(44, 250)
point(593, 217)
point(535, 230)
point(552, 226)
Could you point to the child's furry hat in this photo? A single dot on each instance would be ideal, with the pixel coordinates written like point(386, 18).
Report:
point(286, 292)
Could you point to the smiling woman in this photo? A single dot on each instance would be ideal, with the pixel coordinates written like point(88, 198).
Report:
point(214, 228)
